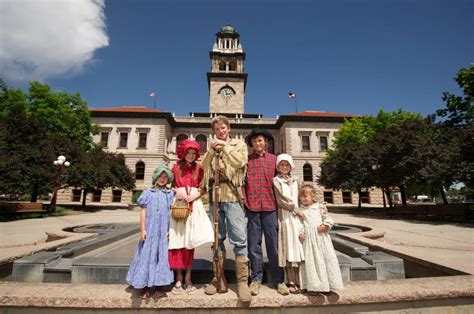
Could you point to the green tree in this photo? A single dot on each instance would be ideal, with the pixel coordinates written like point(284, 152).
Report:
point(27, 152)
point(358, 134)
point(459, 110)
point(363, 129)
point(468, 192)
point(99, 170)
point(349, 169)
point(466, 164)
point(414, 154)
point(34, 129)
point(64, 113)
point(457, 123)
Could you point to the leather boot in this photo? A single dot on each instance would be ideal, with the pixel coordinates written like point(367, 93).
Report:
point(242, 274)
point(211, 288)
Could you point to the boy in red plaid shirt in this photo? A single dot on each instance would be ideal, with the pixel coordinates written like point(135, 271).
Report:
point(262, 211)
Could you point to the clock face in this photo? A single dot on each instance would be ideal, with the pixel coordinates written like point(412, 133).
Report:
point(227, 93)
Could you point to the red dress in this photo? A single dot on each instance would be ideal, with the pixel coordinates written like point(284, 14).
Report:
point(183, 258)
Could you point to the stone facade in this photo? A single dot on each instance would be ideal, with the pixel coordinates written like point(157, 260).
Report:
point(148, 137)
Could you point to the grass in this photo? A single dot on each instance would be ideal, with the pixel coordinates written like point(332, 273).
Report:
point(60, 211)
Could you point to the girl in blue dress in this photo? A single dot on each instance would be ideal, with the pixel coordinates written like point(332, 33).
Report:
point(150, 267)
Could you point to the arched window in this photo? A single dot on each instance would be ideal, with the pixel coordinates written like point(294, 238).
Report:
point(222, 66)
point(180, 138)
point(308, 173)
point(140, 170)
point(202, 140)
point(271, 146)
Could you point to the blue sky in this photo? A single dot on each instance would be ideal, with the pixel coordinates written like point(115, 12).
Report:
point(337, 56)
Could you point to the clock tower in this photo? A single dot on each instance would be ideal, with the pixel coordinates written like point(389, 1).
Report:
point(227, 80)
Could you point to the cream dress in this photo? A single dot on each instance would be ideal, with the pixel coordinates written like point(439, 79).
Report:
point(320, 271)
point(290, 248)
point(195, 231)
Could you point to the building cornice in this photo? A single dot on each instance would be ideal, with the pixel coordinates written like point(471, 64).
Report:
point(233, 125)
point(127, 114)
point(294, 118)
point(226, 75)
point(323, 117)
point(226, 54)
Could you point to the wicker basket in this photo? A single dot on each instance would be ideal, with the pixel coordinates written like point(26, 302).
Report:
point(180, 210)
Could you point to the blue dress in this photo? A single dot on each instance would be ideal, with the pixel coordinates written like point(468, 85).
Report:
point(150, 265)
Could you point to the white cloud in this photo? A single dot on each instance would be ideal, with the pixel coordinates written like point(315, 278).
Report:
point(48, 38)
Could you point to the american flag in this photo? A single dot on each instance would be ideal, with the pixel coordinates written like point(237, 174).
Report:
point(291, 95)
point(152, 94)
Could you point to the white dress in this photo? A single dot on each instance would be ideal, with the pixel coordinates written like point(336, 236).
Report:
point(320, 271)
point(290, 246)
point(195, 231)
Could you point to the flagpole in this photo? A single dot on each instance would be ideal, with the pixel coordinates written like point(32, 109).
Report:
point(153, 94)
point(293, 95)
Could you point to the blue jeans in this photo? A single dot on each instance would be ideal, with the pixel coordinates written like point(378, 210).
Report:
point(266, 223)
point(232, 221)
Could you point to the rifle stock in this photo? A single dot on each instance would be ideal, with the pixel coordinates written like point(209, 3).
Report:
point(219, 267)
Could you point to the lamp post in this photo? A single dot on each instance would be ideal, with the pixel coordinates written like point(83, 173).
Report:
point(375, 168)
point(60, 163)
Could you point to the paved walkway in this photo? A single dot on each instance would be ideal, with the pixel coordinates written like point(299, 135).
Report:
point(24, 237)
point(448, 244)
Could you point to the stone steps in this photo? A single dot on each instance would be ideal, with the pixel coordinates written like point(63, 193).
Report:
point(106, 257)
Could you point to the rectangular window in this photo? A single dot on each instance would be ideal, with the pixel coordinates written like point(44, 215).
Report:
point(123, 140)
point(328, 197)
point(96, 196)
point(76, 195)
point(323, 143)
point(364, 197)
point(305, 143)
point(104, 139)
point(116, 196)
point(142, 140)
point(140, 170)
point(347, 197)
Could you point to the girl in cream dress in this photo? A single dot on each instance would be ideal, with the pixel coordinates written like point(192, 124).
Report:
point(290, 249)
point(320, 271)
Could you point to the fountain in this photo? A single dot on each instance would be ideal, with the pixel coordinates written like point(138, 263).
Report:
point(104, 259)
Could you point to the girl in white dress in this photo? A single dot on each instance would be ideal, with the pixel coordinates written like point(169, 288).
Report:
point(290, 249)
point(320, 272)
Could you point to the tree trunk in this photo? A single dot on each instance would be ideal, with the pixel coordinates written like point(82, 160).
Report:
point(383, 198)
point(360, 201)
point(389, 199)
point(84, 196)
point(403, 194)
point(443, 195)
point(34, 192)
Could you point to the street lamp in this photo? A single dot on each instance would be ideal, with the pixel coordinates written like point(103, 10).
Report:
point(60, 163)
point(375, 168)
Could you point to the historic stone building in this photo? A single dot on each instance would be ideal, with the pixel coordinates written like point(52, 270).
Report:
point(148, 137)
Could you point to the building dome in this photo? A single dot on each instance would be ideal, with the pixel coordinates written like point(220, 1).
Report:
point(227, 31)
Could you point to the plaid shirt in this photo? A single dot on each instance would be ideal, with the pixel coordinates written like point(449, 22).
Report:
point(259, 192)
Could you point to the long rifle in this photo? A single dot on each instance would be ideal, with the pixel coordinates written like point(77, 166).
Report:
point(221, 281)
